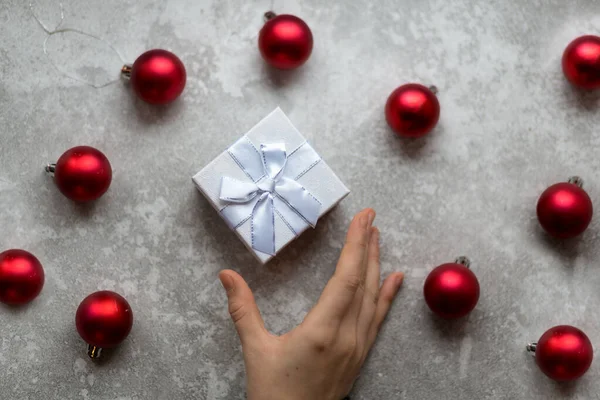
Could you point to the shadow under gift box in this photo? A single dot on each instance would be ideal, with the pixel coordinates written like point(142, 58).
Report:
point(272, 165)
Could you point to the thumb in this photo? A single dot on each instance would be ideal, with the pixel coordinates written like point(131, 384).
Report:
point(242, 307)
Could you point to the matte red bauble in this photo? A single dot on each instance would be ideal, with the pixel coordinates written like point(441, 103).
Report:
point(564, 353)
point(103, 319)
point(565, 209)
point(157, 76)
point(82, 173)
point(452, 290)
point(21, 277)
point(581, 62)
point(285, 41)
point(412, 110)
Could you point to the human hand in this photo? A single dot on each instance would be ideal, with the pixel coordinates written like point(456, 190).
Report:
point(321, 358)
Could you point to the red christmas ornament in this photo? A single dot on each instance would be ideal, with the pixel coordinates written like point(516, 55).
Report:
point(581, 62)
point(103, 319)
point(157, 76)
point(412, 110)
point(565, 209)
point(21, 277)
point(564, 353)
point(285, 41)
point(82, 173)
point(452, 290)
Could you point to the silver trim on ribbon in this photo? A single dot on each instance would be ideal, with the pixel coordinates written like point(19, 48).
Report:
point(273, 189)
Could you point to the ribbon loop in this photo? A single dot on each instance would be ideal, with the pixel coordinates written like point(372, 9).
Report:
point(235, 191)
point(274, 159)
point(275, 191)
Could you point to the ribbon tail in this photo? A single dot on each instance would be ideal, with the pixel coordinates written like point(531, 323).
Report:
point(274, 159)
point(263, 225)
point(236, 214)
point(300, 200)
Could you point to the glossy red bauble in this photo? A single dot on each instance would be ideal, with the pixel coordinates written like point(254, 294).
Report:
point(412, 110)
point(285, 42)
point(104, 319)
point(564, 353)
point(451, 290)
point(581, 62)
point(82, 173)
point(21, 277)
point(158, 76)
point(564, 210)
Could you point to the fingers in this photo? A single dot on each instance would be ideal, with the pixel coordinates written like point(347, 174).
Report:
point(387, 294)
point(371, 295)
point(350, 320)
point(242, 307)
point(351, 265)
point(349, 275)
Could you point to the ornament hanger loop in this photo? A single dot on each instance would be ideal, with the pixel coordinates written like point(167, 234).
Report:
point(575, 180)
point(58, 30)
point(42, 25)
point(433, 89)
point(462, 260)
point(531, 347)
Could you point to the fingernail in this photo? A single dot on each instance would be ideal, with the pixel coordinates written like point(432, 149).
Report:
point(370, 218)
point(364, 221)
point(398, 281)
point(227, 282)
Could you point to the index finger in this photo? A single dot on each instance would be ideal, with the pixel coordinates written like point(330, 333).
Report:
point(349, 274)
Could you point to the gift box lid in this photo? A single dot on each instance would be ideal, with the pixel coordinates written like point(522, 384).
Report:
point(303, 165)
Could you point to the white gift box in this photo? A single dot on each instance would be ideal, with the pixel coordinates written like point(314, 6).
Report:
point(270, 186)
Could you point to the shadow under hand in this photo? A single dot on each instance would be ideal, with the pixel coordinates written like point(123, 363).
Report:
point(232, 253)
point(306, 246)
point(217, 235)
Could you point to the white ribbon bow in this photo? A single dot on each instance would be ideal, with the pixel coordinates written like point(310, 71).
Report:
point(270, 191)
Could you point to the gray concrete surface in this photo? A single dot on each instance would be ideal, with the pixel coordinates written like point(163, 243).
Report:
point(510, 126)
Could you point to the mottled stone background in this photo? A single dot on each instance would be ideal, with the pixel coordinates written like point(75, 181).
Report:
point(510, 126)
